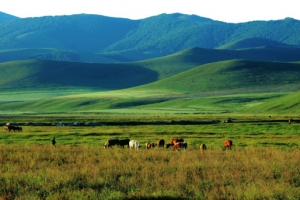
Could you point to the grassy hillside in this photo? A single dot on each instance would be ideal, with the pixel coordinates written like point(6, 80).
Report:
point(187, 59)
point(239, 75)
point(251, 43)
point(48, 75)
point(141, 101)
point(219, 87)
point(286, 104)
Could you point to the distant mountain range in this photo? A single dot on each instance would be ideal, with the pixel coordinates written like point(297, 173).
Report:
point(96, 38)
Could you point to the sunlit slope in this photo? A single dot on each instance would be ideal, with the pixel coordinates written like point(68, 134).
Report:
point(242, 76)
point(253, 42)
point(34, 74)
point(289, 103)
point(187, 59)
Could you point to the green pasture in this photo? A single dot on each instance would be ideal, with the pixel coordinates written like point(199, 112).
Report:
point(262, 164)
point(140, 101)
point(244, 133)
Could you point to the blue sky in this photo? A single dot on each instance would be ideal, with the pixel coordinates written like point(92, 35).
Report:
point(223, 10)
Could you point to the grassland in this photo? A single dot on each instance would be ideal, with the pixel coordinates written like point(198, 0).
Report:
point(263, 164)
point(173, 96)
point(179, 82)
point(226, 75)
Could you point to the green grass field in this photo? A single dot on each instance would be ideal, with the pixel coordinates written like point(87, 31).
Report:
point(263, 163)
point(171, 97)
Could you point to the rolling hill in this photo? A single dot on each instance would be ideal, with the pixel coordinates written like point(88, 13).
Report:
point(239, 76)
point(282, 53)
point(43, 74)
point(34, 74)
point(209, 87)
point(46, 75)
point(289, 103)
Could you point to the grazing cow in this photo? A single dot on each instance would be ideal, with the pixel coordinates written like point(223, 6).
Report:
point(123, 143)
point(133, 144)
point(161, 143)
point(202, 147)
point(14, 128)
point(228, 144)
point(150, 145)
point(180, 145)
point(111, 142)
point(174, 141)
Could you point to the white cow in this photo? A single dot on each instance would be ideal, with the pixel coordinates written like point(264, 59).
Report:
point(133, 144)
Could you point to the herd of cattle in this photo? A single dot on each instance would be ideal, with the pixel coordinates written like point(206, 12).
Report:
point(176, 144)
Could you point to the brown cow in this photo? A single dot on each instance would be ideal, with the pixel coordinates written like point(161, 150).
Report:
point(174, 141)
point(161, 143)
point(228, 144)
point(150, 145)
point(180, 145)
point(202, 147)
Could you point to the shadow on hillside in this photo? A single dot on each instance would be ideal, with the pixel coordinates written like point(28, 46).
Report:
point(104, 76)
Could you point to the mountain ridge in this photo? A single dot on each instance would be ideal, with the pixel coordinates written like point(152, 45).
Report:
point(165, 33)
point(5, 16)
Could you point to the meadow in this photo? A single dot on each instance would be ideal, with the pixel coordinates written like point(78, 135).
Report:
point(263, 164)
point(189, 93)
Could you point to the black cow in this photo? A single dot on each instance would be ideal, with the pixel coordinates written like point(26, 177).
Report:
point(111, 142)
point(123, 143)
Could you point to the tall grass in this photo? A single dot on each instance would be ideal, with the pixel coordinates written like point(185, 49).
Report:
point(86, 172)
